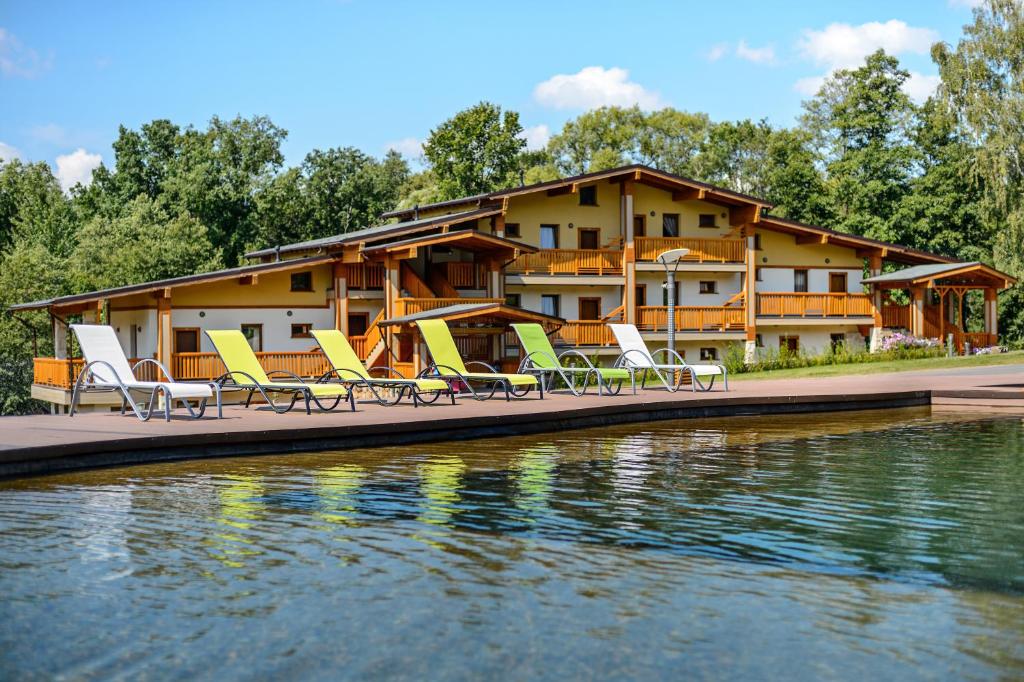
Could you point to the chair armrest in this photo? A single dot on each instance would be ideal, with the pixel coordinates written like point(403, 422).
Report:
point(490, 369)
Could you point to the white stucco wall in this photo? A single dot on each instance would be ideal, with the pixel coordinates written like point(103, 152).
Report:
point(781, 279)
point(729, 284)
point(611, 297)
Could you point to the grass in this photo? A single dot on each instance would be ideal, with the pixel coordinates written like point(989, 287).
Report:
point(1013, 358)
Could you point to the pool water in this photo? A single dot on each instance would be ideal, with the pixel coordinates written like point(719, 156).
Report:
point(837, 546)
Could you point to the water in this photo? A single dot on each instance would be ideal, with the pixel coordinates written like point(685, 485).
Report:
point(881, 544)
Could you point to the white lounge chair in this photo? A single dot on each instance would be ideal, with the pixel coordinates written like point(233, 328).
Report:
point(635, 355)
point(107, 369)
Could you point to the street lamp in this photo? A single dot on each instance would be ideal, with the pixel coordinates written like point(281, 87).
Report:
point(673, 257)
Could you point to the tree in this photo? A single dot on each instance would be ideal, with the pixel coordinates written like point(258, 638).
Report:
point(983, 84)
point(735, 155)
point(475, 151)
point(33, 208)
point(859, 122)
point(793, 182)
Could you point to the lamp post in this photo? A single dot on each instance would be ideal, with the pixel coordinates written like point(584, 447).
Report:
point(672, 256)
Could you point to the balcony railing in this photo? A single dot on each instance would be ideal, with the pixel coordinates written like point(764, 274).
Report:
point(62, 372)
point(364, 276)
point(585, 333)
point(896, 316)
point(814, 305)
point(701, 250)
point(691, 318)
point(569, 262)
point(410, 306)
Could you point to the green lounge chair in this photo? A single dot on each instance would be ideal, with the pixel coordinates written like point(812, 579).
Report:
point(245, 373)
point(542, 360)
point(348, 368)
point(447, 364)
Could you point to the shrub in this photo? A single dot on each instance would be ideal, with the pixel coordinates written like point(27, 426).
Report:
point(769, 359)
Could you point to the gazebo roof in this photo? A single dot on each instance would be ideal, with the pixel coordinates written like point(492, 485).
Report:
point(974, 273)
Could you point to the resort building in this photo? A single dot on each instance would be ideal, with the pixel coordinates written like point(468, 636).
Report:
point(572, 254)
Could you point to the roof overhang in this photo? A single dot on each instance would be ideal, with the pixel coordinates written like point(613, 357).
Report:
point(954, 274)
point(75, 301)
point(467, 240)
point(476, 312)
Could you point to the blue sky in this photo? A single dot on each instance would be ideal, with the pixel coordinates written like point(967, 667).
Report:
point(380, 74)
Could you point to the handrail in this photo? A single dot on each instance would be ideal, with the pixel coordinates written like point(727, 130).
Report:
point(569, 262)
point(413, 283)
point(365, 343)
point(585, 333)
point(409, 306)
point(811, 304)
point(691, 318)
point(702, 250)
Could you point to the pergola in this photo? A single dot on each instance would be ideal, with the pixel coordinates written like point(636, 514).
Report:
point(950, 282)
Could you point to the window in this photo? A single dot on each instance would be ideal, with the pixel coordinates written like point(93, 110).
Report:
point(186, 340)
point(670, 225)
point(590, 309)
point(800, 280)
point(837, 282)
point(588, 195)
point(550, 304)
point(253, 333)
point(706, 220)
point(708, 353)
point(358, 323)
point(639, 226)
point(301, 330)
point(837, 341)
point(302, 281)
point(512, 230)
point(549, 236)
point(709, 287)
point(789, 343)
point(514, 300)
point(641, 294)
point(757, 242)
point(758, 341)
point(589, 237)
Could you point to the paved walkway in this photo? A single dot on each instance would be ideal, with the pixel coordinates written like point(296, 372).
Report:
point(40, 444)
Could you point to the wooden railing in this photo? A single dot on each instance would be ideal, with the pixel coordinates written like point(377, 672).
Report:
point(569, 262)
point(981, 339)
point(701, 250)
point(410, 306)
point(813, 305)
point(62, 372)
point(364, 344)
point(413, 283)
point(364, 276)
point(585, 333)
point(194, 366)
point(462, 275)
point(895, 316)
point(691, 318)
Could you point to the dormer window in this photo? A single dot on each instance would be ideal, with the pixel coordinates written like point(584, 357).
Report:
point(588, 195)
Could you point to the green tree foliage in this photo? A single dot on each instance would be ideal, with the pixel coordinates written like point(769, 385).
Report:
point(475, 151)
point(860, 124)
point(983, 85)
point(33, 208)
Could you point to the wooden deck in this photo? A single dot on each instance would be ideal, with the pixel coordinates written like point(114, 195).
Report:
point(41, 444)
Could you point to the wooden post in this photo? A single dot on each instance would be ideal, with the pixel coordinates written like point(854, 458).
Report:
point(340, 298)
point(60, 338)
point(499, 225)
point(875, 269)
point(417, 351)
point(392, 289)
point(991, 312)
point(917, 311)
point(163, 330)
point(629, 302)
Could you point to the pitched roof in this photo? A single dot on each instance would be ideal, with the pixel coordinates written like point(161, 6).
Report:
point(637, 169)
point(378, 232)
point(937, 270)
point(156, 285)
point(468, 309)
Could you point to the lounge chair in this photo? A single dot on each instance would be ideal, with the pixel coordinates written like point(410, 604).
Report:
point(542, 360)
point(348, 368)
point(447, 364)
point(635, 354)
point(107, 369)
point(245, 373)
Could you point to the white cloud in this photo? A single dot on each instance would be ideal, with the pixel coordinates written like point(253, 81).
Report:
point(920, 86)
point(8, 153)
point(970, 4)
point(16, 60)
point(409, 147)
point(76, 167)
point(592, 87)
point(809, 85)
point(758, 55)
point(842, 46)
point(537, 137)
point(717, 52)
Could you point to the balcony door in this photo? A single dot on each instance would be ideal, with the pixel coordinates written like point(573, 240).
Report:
point(549, 236)
point(589, 237)
point(639, 226)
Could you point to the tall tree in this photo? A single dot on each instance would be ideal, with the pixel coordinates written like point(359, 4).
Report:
point(983, 83)
point(860, 122)
point(793, 181)
point(33, 208)
point(475, 151)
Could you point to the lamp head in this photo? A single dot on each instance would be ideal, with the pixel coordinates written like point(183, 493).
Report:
point(672, 255)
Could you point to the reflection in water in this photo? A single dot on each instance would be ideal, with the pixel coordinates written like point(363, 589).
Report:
point(878, 545)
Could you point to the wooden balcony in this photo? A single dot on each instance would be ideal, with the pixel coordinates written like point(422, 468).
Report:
point(410, 306)
point(814, 305)
point(585, 333)
point(692, 318)
point(62, 372)
point(896, 316)
point(463, 275)
point(568, 262)
point(364, 276)
point(701, 250)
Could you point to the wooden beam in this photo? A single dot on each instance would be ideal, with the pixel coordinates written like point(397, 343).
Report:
point(688, 194)
point(812, 239)
point(248, 280)
point(741, 215)
point(564, 189)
